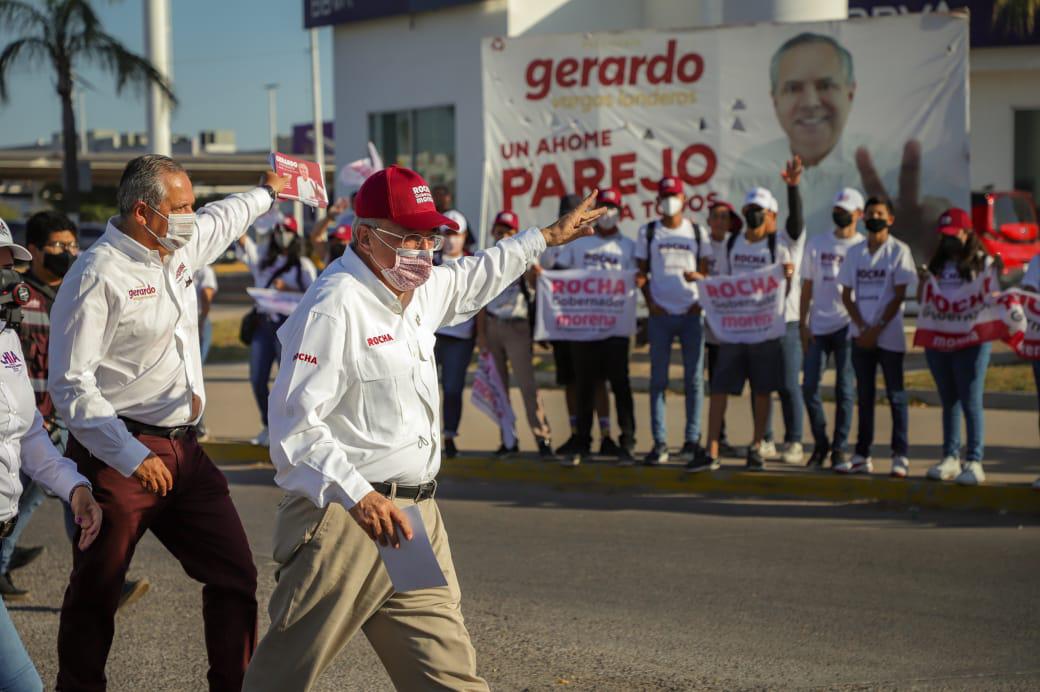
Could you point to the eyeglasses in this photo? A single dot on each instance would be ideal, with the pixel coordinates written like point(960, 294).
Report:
point(62, 247)
point(414, 241)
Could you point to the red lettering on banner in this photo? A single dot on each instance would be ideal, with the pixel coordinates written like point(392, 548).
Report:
point(513, 149)
point(742, 287)
point(515, 182)
point(619, 174)
point(588, 173)
point(549, 185)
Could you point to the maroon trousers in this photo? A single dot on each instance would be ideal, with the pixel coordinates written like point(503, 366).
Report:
point(198, 524)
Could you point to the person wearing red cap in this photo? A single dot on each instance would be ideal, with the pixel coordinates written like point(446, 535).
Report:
point(282, 268)
point(960, 375)
point(1031, 282)
point(875, 278)
point(504, 331)
point(355, 441)
point(604, 360)
point(673, 253)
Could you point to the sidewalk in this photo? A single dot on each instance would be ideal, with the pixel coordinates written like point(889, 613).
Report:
point(1012, 461)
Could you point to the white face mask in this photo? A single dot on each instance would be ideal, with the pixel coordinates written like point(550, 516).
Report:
point(180, 228)
point(454, 243)
point(670, 206)
point(609, 220)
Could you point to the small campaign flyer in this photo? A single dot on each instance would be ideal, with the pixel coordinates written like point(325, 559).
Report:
point(306, 180)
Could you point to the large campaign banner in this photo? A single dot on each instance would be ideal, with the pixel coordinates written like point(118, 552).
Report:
point(490, 396)
point(585, 305)
point(1023, 318)
point(876, 104)
point(958, 318)
point(745, 309)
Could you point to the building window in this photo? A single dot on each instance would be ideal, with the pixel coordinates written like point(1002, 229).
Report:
point(422, 139)
point(1027, 151)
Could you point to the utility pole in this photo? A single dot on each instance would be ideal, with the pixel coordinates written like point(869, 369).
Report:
point(272, 114)
point(319, 123)
point(157, 46)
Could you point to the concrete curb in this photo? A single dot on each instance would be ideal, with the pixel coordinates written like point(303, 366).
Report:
point(792, 485)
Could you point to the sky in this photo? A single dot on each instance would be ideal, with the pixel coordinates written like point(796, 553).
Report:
point(224, 52)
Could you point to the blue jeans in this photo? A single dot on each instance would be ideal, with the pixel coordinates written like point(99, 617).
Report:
point(453, 356)
point(663, 329)
point(865, 362)
point(960, 377)
point(31, 498)
point(821, 346)
point(263, 352)
point(17, 672)
point(205, 338)
point(790, 392)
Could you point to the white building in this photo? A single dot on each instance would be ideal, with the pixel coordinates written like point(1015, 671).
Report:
point(410, 81)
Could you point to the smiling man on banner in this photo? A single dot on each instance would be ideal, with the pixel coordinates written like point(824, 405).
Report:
point(355, 440)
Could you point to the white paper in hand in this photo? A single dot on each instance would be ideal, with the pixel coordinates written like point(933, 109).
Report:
point(413, 566)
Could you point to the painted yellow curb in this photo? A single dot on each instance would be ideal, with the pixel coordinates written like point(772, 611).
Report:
point(726, 482)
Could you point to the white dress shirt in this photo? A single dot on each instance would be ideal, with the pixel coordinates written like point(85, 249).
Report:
point(124, 332)
point(24, 444)
point(356, 400)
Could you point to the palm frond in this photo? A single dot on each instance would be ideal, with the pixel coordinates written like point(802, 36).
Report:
point(128, 67)
point(19, 17)
point(1017, 17)
point(27, 49)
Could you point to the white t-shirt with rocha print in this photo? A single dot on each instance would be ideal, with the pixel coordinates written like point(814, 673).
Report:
point(747, 257)
point(611, 253)
point(675, 251)
point(821, 262)
point(873, 278)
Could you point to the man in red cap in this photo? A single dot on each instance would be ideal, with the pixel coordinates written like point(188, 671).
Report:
point(504, 331)
point(603, 359)
point(355, 440)
point(673, 253)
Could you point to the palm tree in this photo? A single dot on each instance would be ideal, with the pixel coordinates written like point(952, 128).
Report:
point(68, 35)
point(1017, 17)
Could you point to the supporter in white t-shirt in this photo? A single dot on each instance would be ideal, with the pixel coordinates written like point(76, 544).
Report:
point(875, 279)
point(603, 360)
point(673, 253)
point(825, 328)
point(762, 244)
point(959, 261)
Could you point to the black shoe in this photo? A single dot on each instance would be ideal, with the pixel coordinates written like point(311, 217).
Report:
point(658, 455)
point(450, 450)
point(9, 591)
point(819, 457)
point(625, 457)
point(755, 462)
point(837, 458)
point(132, 591)
point(690, 451)
point(545, 450)
point(569, 447)
point(609, 448)
point(504, 452)
point(21, 557)
point(574, 459)
point(702, 462)
point(728, 450)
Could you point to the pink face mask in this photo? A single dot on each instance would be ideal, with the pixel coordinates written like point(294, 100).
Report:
point(411, 267)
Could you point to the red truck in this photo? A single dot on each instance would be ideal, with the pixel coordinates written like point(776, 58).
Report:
point(1006, 223)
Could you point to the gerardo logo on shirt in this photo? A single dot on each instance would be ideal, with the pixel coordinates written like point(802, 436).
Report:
point(11, 361)
point(142, 292)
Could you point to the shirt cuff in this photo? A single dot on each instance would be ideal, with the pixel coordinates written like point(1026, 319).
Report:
point(82, 484)
point(66, 483)
point(533, 242)
point(127, 461)
point(259, 201)
point(350, 491)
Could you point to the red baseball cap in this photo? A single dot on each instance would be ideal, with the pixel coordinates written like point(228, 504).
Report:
point(609, 196)
point(953, 221)
point(507, 218)
point(669, 186)
point(401, 195)
point(735, 222)
point(342, 233)
point(289, 224)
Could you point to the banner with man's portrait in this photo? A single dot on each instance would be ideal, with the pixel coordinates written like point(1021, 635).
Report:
point(876, 104)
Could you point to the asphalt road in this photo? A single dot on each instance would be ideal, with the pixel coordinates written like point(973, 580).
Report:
point(612, 592)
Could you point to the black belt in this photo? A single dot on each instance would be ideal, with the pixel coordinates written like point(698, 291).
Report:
point(7, 527)
point(175, 433)
point(507, 319)
point(408, 492)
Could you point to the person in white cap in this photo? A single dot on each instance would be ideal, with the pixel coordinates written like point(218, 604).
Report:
point(824, 324)
point(25, 446)
point(355, 441)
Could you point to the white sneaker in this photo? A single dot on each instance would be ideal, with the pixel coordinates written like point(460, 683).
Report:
point(793, 453)
point(767, 450)
point(900, 467)
point(263, 439)
point(972, 474)
point(857, 464)
point(946, 470)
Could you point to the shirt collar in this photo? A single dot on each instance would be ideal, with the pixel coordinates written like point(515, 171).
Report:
point(128, 246)
point(357, 268)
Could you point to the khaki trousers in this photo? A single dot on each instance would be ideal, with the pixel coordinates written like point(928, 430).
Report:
point(511, 340)
point(331, 583)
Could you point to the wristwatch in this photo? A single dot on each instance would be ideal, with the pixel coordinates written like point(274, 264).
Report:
point(270, 191)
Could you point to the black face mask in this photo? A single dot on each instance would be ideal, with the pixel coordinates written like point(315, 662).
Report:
point(875, 225)
point(953, 247)
point(841, 218)
point(755, 217)
point(58, 264)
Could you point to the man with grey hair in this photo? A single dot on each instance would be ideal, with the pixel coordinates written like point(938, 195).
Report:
point(126, 375)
